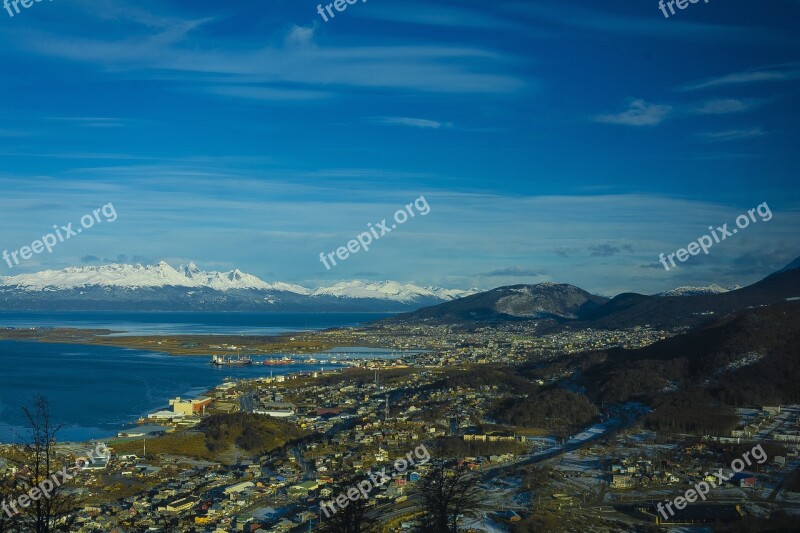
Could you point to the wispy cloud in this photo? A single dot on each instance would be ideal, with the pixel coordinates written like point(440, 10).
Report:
point(608, 249)
point(731, 135)
point(639, 113)
point(94, 122)
point(603, 20)
point(12, 133)
point(256, 92)
point(768, 74)
point(412, 122)
point(722, 106)
point(513, 271)
point(243, 70)
point(441, 15)
point(565, 252)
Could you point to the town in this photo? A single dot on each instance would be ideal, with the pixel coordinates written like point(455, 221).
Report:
point(263, 454)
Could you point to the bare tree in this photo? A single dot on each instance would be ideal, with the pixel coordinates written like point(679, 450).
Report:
point(350, 519)
point(448, 491)
point(9, 488)
point(40, 467)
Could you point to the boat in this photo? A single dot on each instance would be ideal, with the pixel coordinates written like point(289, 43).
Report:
point(275, 362)
point(221, 360)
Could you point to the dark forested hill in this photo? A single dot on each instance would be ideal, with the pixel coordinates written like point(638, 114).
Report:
point(751, 358)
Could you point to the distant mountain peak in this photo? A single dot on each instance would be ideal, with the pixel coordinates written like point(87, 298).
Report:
point(388, 289)
point(190, 270)
point(693, 291)
point(543, 300)
point(794, 265)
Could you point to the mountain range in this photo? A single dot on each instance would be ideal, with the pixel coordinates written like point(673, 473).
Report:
point(187, 288)
point(567, 304)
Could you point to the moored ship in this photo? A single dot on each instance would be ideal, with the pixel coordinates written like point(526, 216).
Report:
point(275, 362)
point(221, 360)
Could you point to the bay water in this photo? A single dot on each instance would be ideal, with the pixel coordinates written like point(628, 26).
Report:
point(94, 391)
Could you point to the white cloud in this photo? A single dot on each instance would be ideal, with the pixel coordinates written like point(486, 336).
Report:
point(639, 113)
point(300, 36)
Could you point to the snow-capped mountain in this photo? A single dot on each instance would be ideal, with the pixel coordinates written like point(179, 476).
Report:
point(127, 276)
point(694, 291)
point(235, 279)
point(390, 290)
point(153, 286)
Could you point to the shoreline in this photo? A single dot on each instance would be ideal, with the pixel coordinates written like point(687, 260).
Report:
point(206, 345)
point(97, 337)
point(207, 393)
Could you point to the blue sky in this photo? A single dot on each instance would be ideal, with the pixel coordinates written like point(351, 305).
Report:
point(568, 141)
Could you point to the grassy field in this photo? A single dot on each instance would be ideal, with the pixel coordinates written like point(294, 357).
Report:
point(185, 443)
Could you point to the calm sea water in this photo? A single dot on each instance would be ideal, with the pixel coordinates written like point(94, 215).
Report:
point(171, 323)
point(94, 391)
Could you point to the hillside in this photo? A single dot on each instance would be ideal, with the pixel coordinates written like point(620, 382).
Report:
point(628, 310)
point(516, 302)
point(751, 358)
point(567, 304)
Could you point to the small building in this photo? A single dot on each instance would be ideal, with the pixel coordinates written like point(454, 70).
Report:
point(226, 407)
point(164, 415)
point(181, 505)
point(621, 481)
point(302, 489)
point(97, 463)
point(189, 407)
point(743, 480)
point(239, 487)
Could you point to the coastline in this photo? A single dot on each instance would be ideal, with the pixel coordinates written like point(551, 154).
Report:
point(332, 363)
point(305, 343)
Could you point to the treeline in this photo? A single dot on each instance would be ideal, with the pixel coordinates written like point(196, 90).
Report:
point(692, 413)
point(580, 362)
point(772, 380)
point(552, 409)
point(768, 336)
point(505, 378)
point(360, 377)
point(792, 481)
